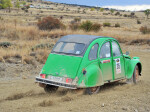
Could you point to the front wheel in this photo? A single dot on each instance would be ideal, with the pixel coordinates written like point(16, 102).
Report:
point(92, 90)
point(135, 77)
point(50, 88)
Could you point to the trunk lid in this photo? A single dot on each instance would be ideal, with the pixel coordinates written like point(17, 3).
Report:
point(62, 65)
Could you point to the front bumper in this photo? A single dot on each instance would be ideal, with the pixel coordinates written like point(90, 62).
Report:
point(46, 81)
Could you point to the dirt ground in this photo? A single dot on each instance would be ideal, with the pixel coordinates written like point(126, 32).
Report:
point(22, 94)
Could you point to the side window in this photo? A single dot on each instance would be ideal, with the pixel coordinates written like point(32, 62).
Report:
point(105, 50)
point(115, 49)
point(93, 52)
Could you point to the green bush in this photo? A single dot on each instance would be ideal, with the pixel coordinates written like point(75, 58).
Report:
point(145, 30)
point(106, 24)
point(117, 25)
point(96, 27)
point(86, 26)
point(42, 46)
point(50, 23)
point(125, 15)
point(5, 44)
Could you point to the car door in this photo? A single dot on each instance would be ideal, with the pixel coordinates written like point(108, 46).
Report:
point(105, 61)
point(118, 61)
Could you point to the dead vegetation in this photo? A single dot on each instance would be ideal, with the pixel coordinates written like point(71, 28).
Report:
point(26, 38)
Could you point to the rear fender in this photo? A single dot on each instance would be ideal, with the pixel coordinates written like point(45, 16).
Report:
point(93, 76)
point(132, 63)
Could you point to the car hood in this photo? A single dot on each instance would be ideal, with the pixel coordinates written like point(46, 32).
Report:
point(62, 65)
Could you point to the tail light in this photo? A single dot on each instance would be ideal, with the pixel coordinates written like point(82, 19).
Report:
point(43, 76)
point(68, 80)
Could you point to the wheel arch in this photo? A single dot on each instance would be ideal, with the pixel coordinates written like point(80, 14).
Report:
point(93, 76)
point(131, 67)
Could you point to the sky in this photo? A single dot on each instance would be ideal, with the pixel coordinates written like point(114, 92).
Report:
point(133, 5)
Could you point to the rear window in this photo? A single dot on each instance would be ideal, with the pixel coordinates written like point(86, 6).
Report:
point(69, 48)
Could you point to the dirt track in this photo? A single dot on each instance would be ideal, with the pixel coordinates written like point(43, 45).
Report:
point(24, 95)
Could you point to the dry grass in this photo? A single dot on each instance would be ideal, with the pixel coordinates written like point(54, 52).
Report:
point(24, 37)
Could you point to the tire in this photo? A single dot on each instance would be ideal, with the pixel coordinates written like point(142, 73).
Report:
point(92, 90)
point(135, 77)
point(50, 88)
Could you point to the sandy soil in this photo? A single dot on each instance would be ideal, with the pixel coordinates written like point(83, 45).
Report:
point(24, 95)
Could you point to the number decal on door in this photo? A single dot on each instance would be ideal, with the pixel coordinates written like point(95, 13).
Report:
point(118, 66)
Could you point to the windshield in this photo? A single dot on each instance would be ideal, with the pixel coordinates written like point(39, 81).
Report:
point(69, 48)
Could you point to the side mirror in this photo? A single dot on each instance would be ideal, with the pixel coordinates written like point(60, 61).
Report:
point(127, 52)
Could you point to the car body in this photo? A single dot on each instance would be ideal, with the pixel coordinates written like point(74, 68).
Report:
point(87, 61)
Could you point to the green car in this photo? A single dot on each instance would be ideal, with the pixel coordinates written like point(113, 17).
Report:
point(87, 61)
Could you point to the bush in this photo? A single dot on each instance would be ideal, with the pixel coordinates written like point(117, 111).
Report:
point(138, 22)
point(77, 19)
point(117, 13)
point(96, 27)
point(92, 9)
point(125, 15)
point(5, 44)
point(117, 25)
point(74, 26)
point(50, 23)
point(87, 25)
point(42, 46)
point(106, 24)
point(145, 30)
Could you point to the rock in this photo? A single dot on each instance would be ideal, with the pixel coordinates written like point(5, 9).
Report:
point(103, 105)
point(124, 108)
point(33, 54)
point(135, 110)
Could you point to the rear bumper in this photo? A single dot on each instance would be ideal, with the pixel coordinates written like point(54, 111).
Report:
point(46, 81)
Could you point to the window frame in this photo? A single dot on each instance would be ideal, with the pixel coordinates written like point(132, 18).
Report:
point(118, 46)
point(110, 50)
point(96, 52)
point(68, 53)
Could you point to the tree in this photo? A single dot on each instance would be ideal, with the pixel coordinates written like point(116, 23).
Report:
point(101, 9)
point(112, 11)
point(23, 3)
point(92, 9)
point(17, 5)
point(9, 4)
point(147, 12)
point(3, 4)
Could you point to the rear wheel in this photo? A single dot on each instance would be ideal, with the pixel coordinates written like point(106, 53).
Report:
point(135, 77)
point(50, 88)
point(92, 90)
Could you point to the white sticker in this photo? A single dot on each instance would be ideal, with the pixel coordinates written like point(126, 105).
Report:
point(77, 52)
point(118, 66)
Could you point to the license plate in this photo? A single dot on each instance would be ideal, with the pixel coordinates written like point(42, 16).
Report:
point(57, 79)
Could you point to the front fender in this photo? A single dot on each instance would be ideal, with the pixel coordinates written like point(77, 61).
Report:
point(131, 66)
point(93, 76)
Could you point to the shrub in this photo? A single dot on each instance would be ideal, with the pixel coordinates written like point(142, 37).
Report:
point(145, 30)
point(5, 44)
point(117, 25)
point(106, 24)
point(42, 46)
point(117, 13)
point(96, 27)
point(74, 26)
point(125, 15)
point(87, 25)
point(92, 9)
point(138, 22)
point(77, 19)
point(50, 23)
